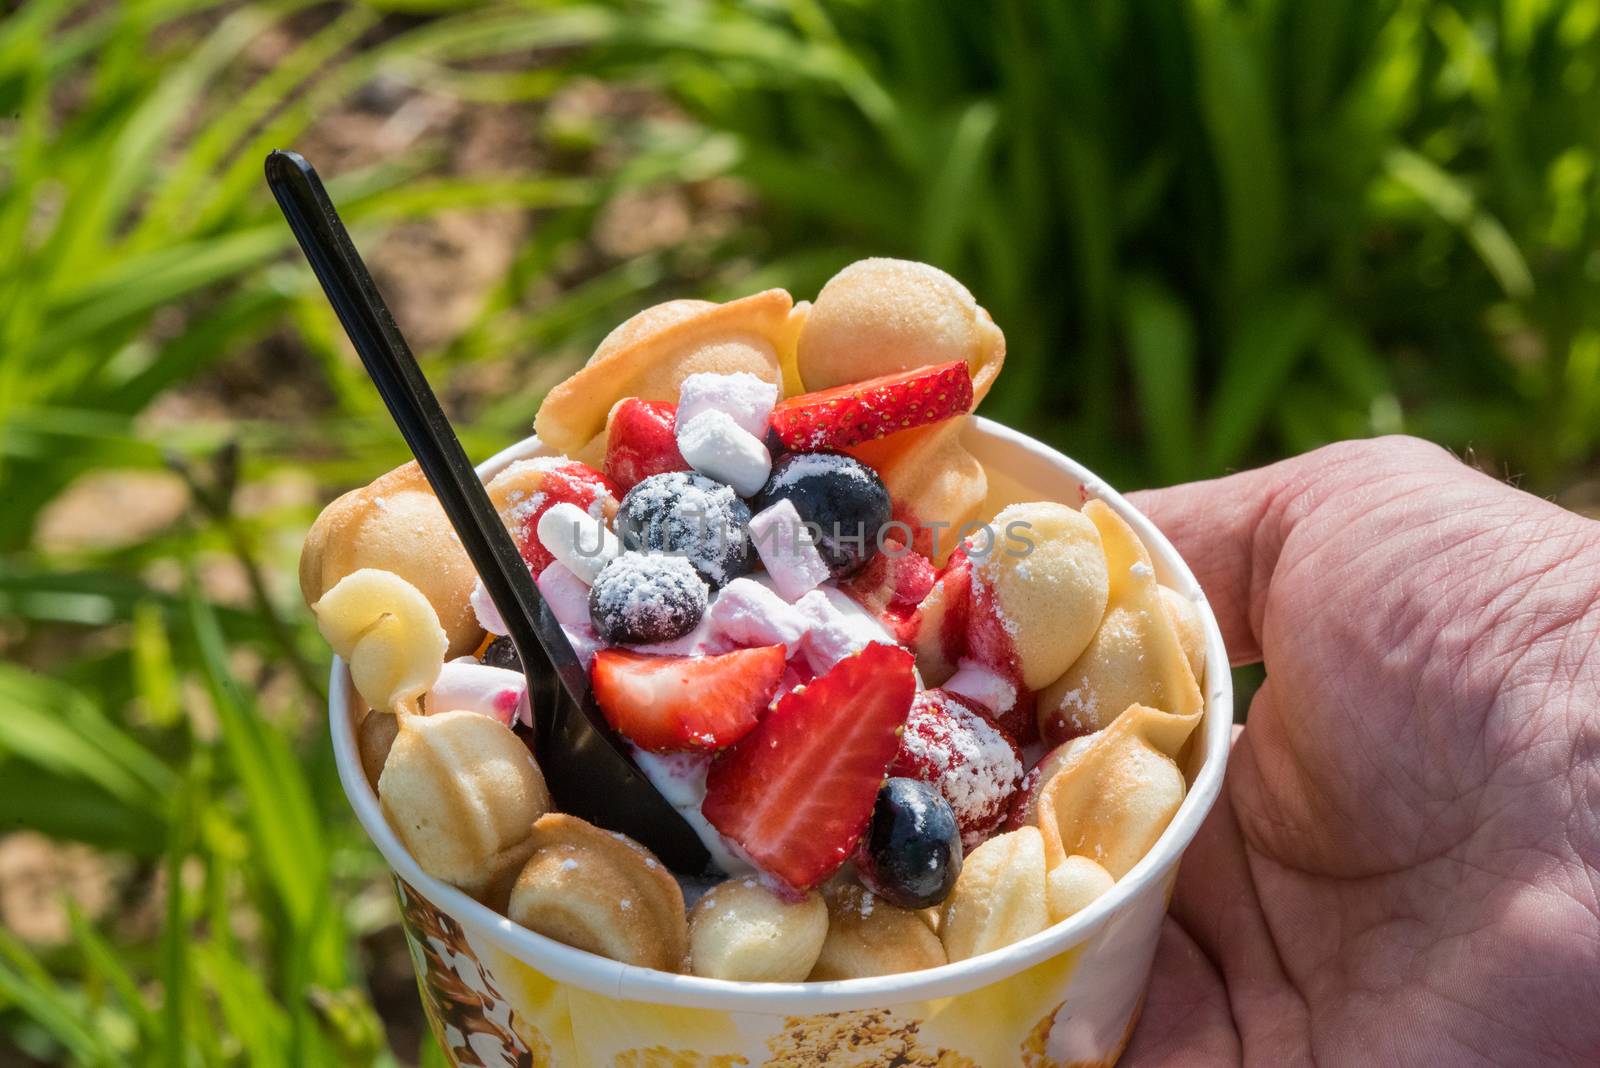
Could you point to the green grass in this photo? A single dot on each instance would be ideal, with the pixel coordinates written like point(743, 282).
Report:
point(1214, 233)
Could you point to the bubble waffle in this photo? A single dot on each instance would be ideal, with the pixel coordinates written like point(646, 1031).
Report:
point(1000, 897)
point(1115, 794)
point(387, 632)
point(600, 891)
point(867, 936)
point(395, 524)
point(1136, 655)
point(742, 930)
point(462, 792)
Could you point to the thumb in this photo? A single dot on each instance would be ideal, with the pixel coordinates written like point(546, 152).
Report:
point(1231, 530)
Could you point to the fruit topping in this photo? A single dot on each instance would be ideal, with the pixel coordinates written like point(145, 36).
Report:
point(640, 442)
point(875, 408)
point(891, 586)
point(689, 514)
point(788, 551)
point(567, 481)
point(843, 498)
point(953, 746)
point(911, 853)
point(798, 791)
point(677, 703)
point(719, 448)
point(641, 598)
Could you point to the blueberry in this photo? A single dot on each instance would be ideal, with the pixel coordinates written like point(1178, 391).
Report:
point(689, 514)
point(502, 654)
point(911, 853)
point(845, 499)
point(641, 599)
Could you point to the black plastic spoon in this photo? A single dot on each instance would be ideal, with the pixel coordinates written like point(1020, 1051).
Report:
point(588, 771)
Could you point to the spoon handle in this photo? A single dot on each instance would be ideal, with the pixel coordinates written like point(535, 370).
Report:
point(393, 368)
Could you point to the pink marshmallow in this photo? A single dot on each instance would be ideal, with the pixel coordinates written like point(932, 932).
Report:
point(467, 686)
point(746, 613)
point(566, 594)
point(787, 551)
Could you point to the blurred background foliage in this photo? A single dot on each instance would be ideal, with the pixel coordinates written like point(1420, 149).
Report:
point(1214, 232)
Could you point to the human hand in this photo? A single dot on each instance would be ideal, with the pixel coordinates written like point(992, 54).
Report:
point(1402, 866)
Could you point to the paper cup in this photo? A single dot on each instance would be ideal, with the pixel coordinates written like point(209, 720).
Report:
point(498, 994)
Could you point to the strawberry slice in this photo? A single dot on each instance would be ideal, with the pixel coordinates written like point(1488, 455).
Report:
point(798, 791)
point(675, 703)
point(570, 482)
point(876, 408)
point(641, 442)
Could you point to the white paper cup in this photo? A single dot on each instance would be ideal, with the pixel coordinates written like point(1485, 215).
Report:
point(499, 994)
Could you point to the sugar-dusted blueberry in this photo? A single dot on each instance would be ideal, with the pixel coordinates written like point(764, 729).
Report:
point(911, 853)
point(844, 497)
point(691, 515)
point(644, 598)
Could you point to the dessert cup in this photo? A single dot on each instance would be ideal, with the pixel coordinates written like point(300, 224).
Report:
point(498, 994)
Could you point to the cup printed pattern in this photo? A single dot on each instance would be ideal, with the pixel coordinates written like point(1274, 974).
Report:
point(490, 1010)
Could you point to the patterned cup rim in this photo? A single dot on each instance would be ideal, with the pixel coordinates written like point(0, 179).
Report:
point(1021, 459)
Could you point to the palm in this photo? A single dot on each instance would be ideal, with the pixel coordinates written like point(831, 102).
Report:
point(1402, 868)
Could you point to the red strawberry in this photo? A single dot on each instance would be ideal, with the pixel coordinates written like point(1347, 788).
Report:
point(798, 791)
point(876, 408)
point(891, 586)
point(641, 442)
point(569, 482)
point(674, 703)
point(951, 744)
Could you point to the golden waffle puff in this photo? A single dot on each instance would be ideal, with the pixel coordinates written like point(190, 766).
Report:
point(1116, 792)
point(1137, 654)
point(387, 632)
point(395, 524)
point(867, 936)
point(999, 897)
point(1049, 592)
point(462, 792)
point(650, 355)
point(602, 892)
point(741, 930)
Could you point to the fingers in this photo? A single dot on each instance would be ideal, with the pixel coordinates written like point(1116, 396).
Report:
point(1231, 530)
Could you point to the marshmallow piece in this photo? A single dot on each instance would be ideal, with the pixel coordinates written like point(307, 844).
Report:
point(746, 613)
point(484, 609)
point(984, 685)
point(719, 448)
point(836, 627)
point(566, 594)
point(746, 398)
point(468, 686)
point(578, 539)
point(787, 550)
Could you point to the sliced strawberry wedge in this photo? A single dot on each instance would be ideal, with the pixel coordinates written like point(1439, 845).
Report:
point(678, 703)
point(875, 408)
point(641, 442)
point(798, 791)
